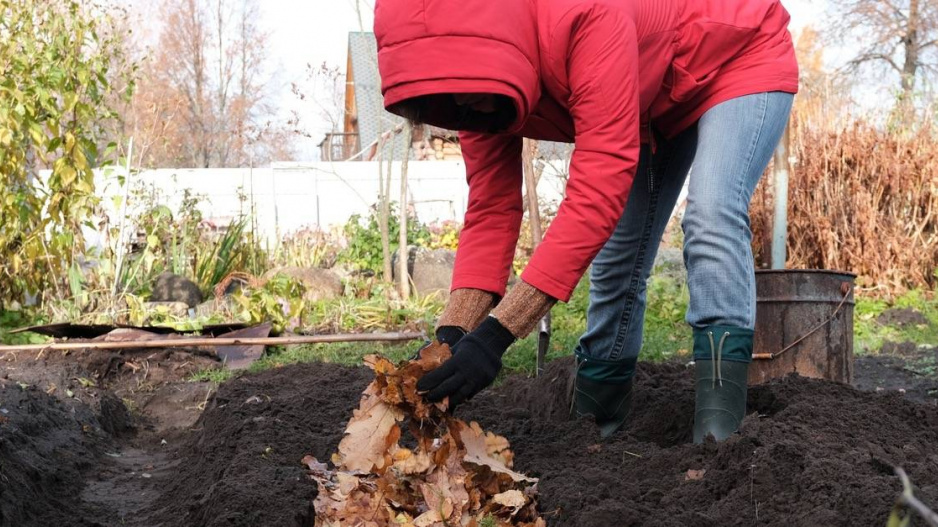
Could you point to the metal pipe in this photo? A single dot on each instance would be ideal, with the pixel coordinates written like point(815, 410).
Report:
point(780, 223)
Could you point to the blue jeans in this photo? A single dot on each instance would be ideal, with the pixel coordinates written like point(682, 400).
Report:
point(725, 153)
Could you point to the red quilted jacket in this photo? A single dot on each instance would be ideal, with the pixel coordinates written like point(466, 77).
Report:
point(598, 73)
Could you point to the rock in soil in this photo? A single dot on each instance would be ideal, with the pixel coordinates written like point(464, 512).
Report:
point(170, 287)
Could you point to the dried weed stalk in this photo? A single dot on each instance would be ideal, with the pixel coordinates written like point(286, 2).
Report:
point(862, 200)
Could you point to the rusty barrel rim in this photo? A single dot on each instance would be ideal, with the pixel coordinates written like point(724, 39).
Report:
point(832, 272)
point(805, 299)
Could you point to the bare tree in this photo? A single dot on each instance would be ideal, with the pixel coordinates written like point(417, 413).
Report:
point(900, 35)
point(824, 95)
point(324, 89)
point(201, 100)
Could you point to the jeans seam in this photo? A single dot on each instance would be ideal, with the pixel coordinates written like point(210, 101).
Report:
point(626, 319)
point(739, 192)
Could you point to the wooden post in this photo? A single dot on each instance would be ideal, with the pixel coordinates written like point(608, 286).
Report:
point(216, 341)
point(121, 246)
point(403, 254)
point(530, 186)
point(534, 217)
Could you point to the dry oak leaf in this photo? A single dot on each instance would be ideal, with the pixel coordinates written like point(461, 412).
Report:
point(445, 492)
point(430, 518)
point(386, 378)
point(408, 462)
point(348, 500)
point(315, 466)
point(398, 385)
point(431, 358)
point(474, 441)
point(369, 434)
point(510, 498)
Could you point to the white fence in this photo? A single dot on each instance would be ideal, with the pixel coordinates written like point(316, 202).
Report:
point(291, 196)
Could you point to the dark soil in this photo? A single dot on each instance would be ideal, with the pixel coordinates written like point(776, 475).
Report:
point(810, 453)
point(902, 367)
point(153, 383)
point(46, 448)
point(241, 466)
point(901, 317)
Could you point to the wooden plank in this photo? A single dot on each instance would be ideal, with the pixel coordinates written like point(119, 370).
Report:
point(209, 341)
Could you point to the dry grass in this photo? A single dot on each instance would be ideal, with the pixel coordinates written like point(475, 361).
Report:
point(863, 200)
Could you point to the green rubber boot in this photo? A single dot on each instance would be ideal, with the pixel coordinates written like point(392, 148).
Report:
point(602, 389)
point(721, 355)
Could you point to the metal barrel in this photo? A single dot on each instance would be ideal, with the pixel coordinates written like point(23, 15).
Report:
point(804, 325)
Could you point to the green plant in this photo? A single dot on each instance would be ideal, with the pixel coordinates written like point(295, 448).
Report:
point(213, 375)
point(55, 59)
point(308, 248)
point(363, 236)
point(223, 257)
point(870, 334)
point(444, 235)
point(279, 301)
point(10, 320)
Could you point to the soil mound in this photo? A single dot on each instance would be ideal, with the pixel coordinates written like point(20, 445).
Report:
point(811, 452)
point(46, 447)
point(241, 466)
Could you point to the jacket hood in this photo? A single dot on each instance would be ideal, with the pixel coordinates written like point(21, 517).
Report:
point(428, 49)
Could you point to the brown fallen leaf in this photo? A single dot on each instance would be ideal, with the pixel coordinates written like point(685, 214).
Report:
point(455, 474)
point(371, 431)
point(406, 461)
point(511, 498)
point(315, 466)
point(473, 440)
point(498, 448)
point(428, 519)
point(593, 449)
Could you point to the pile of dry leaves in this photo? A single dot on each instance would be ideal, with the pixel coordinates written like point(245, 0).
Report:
point(453, 474)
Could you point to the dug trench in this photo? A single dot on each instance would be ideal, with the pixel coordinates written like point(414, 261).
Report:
point(809, 453)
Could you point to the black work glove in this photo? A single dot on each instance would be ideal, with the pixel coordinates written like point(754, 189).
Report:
point(476, 361)
point(449, 335)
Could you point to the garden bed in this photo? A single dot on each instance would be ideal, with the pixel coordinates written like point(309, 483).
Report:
point(810, 453)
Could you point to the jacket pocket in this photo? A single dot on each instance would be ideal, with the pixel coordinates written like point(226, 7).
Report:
point(704, 47)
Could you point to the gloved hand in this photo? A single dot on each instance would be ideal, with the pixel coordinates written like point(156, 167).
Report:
point(449, 335)
point(476, 361)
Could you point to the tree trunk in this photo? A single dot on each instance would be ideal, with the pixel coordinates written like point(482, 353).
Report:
point(531, 178)
point(403, 253)
point(383, 222)
point(385, 214)
point(910, 44)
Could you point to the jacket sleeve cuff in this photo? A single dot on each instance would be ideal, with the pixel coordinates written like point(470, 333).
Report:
point(487, 283)
point(546, 283)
